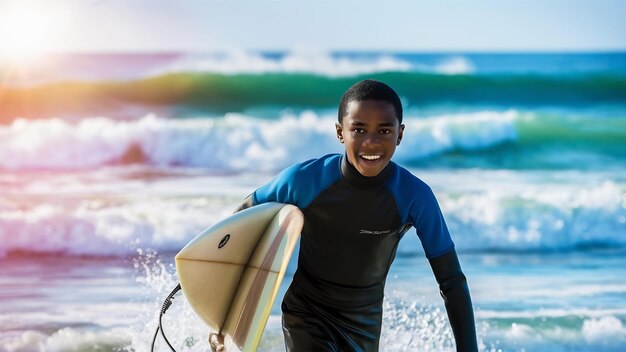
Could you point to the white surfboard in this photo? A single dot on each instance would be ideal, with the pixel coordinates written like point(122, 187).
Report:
point(231, 272)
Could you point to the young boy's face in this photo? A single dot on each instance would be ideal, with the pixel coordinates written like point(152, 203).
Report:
point(370, 132)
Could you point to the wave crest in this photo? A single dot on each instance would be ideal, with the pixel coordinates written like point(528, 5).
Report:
point(230, 144)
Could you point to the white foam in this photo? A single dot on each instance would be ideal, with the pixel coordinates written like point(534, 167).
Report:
point(233, 143)
point(70, 339)
point(578, 290)
point(28, 340)
point(73, 314)
point(455, 65)
point(116, 219)
point(520, 332)
point(443, 133)
point(518, 211)
point(538, 217)
point(408, 326)
point(607, 330)
point(95, 227)
point(549, 313)
point(602, 334)
point(66, 339)
point(297, 61)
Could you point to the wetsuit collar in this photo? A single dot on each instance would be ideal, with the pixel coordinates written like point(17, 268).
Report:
point(354, 177)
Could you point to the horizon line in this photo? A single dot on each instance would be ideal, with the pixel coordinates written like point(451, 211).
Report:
point(339, 51)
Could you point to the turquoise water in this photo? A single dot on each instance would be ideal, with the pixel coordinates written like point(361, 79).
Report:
point(109, 164)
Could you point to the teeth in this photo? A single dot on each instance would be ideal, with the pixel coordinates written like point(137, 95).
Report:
point(371, 157)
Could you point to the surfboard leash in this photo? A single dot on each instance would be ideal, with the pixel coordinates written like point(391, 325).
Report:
point(166, 304)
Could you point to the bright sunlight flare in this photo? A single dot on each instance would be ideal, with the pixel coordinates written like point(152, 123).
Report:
point(29, 29)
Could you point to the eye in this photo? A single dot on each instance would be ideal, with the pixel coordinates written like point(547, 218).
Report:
point(358, 130)
point(384, 131)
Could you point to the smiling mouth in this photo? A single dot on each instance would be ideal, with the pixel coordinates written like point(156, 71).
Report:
point(370, 157)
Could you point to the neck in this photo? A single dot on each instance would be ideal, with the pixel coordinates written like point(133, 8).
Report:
point(355, 178)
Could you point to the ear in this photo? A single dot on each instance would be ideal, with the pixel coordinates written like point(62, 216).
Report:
point(339, 129)
point(400, 134)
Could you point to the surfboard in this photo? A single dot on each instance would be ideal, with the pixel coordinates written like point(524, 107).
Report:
point(230, 273)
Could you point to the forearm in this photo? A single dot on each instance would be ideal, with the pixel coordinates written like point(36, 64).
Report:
point(455, 292)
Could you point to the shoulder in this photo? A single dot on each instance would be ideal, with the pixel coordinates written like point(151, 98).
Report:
point(312, 169)
point(301, 183)
point(403, 180)
point(418, 206)
point(411, 195)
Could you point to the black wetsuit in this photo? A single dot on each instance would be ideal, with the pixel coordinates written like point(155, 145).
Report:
point(351, 232)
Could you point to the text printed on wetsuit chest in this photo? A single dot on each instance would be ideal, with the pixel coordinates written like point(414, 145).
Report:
point(374, 232)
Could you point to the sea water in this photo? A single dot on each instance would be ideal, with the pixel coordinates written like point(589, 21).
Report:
point(101, 186)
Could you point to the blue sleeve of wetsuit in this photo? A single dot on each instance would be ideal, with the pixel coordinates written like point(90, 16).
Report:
point(455, 293)
point(418, 206)
point(299, 184)
point(430, 225)
point(280, 189)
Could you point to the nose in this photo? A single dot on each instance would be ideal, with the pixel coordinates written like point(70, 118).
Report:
point(372, 139)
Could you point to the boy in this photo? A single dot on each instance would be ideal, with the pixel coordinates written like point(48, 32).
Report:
point(357, 206)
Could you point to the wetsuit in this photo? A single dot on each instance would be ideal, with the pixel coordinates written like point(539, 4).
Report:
point(351, 232)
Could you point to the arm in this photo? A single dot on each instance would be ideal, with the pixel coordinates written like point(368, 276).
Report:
point(455, 293)
point(419, 206)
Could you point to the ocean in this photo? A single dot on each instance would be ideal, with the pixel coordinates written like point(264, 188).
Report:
point(111, 163)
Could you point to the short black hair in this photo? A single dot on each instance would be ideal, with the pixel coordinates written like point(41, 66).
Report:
point(370, 89)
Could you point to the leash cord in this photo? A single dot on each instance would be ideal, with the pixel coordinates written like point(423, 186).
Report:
point(166, 304)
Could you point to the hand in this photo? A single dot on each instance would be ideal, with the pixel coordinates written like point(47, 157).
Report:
point(217, 343)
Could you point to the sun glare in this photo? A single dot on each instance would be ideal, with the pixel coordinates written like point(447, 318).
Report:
point(28, 30)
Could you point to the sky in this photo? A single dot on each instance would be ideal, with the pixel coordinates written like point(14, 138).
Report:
point(30, 26)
